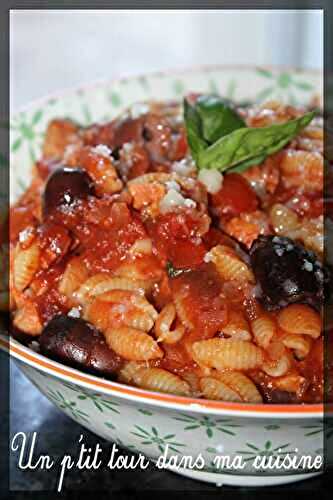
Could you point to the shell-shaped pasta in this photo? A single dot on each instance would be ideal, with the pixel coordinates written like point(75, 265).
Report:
point(241, 384)
point(132, 344)
point(299, 343)
point(145, 269)
point(102, 283)
point(60, 133)
point(263, 178)
point(142, 303)
point(27, 319)
point(172, 336)
point(147, 195)
point(277, 367)
point(229, 265)
point(161, 177)
point(193, 380)
point(292, 383)
point(311, 232)
point(264, 329)
point(300, 319)
point(247, 227)
point(215, 389)
point(163, 324)
point(83, 294)
point(141, 321)
point(99, 166)
point(227, 353)
point(142, 246)
point(120, 308)
point(129, 298)
point(158, 379)
point(108, 178)
point(100, 314)
point(26, 262)
point(313, 132)
point(283, 219)
point(75, 274)
point(237, 327)
point(302, 169)
point(127, 371)
point(309, 144)
point(182, 311)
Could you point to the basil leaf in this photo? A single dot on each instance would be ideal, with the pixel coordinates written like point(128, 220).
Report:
point(257, 160)
point(193, 130)
point(207, 120)
point(250, 144)
point(218, 136)
point(218, 118)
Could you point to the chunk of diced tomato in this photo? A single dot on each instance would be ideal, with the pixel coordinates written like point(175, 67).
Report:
point(235, 196)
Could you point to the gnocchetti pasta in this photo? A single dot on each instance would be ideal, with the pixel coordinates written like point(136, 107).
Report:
point(139, 253)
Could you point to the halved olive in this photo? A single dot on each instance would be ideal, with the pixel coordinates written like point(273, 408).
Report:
point(79, 344)
point(64, 190)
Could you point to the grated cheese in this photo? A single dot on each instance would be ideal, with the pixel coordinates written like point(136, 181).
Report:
point(172, 185)
point(74, 312)
point(308, 266)
point(207, 257)
point(103, 150)
point(212, 179)
point(189, 203)
point(171, 200)
point(174, 199)
point(184, 167)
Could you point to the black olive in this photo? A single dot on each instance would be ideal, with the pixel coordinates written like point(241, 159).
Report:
point(286, 273)
point(276, 396)
point(65, 187)
point(79, 344)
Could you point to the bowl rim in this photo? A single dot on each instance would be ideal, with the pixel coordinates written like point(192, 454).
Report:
point(33, 359)
point(60, 371)
point(195, 68)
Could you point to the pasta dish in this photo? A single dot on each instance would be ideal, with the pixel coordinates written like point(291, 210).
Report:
point(178, 248)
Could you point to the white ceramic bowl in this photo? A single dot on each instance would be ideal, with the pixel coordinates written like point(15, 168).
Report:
point(141, 420)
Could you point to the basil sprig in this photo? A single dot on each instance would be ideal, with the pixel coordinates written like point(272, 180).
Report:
point(245, 146)
point(194, 131)
point(210, 118)
point(218, 117)
point(218, 137)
